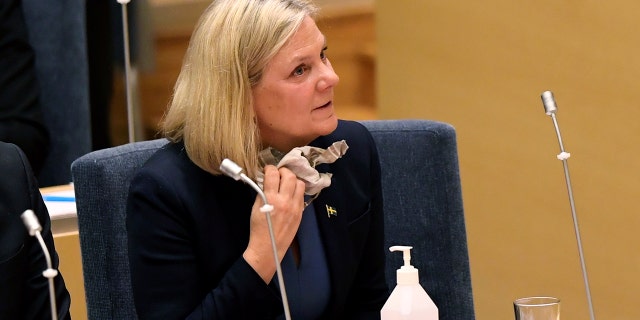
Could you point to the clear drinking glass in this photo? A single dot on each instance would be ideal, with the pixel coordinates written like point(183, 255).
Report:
point(537, 308)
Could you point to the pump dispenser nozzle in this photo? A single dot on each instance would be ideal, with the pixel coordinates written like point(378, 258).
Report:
point(407, 274)
point(406, 253)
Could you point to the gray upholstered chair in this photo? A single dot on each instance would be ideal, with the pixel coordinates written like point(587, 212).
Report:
point(57, 34)
point(423, 208)
point(101, 182)
point(422, 200)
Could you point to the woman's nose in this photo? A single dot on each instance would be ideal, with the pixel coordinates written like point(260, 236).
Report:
point(329, 78)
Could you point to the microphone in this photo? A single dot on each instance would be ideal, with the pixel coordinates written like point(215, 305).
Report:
point(549, 103)
point(33, 226)
point(550, 108)
point(234, 171)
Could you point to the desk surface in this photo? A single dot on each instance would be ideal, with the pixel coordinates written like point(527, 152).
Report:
point(64, 226)
point(60, 202)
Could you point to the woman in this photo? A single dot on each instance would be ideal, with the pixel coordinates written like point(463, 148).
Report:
point(24, 291)
point(256, 78)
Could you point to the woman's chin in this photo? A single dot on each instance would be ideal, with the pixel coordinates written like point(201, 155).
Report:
point(329, 124)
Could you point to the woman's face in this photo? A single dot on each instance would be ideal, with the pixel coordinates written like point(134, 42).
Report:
point(293, 101)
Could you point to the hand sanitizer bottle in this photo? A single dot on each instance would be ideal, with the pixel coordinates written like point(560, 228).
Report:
point(408, 300)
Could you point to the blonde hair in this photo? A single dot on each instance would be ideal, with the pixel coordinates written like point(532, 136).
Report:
point(212, 108)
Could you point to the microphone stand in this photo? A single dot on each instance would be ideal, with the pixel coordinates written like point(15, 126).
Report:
point(127, 69)
point(33, 226)
point(550, 109)
point(234, 171)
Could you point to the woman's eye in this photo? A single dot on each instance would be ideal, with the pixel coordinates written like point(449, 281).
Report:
point(323, 54)
point(300, 70)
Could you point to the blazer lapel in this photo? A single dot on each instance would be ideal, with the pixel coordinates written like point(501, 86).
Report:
point(335, 238)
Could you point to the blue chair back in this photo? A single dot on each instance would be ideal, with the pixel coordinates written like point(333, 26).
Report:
point(423, 209)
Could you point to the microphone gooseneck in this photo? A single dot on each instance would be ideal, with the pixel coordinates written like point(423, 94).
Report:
point(33, 226)
point(234, 171)
point(550, 109)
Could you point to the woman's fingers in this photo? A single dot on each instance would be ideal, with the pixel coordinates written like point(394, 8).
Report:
point(271, 182)
point(281, 184)
point(288, 183)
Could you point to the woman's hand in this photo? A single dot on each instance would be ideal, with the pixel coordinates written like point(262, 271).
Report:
point(286, 194)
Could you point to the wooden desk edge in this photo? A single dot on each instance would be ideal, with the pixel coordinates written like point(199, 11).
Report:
point(64, 187)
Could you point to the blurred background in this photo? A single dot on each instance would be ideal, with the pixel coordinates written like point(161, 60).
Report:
point(481, 66)
point(162, 29)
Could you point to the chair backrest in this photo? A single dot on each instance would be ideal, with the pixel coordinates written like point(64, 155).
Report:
point(57, 34)
point(423, 209)
point(422, 200)
point(101, 182)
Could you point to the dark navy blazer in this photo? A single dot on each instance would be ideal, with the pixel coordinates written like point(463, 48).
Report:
point(24, 292)
point(188, 229)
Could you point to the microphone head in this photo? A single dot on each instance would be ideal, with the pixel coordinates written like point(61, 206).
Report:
point(231, 169)
point(549, 103)
point(31, 222)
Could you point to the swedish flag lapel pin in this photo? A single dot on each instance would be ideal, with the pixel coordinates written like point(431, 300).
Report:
point(331, 211)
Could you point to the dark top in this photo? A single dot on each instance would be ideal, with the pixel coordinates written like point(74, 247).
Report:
point(21, 121)
point(188, 229)
point(307, 282)
point(24, 291)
